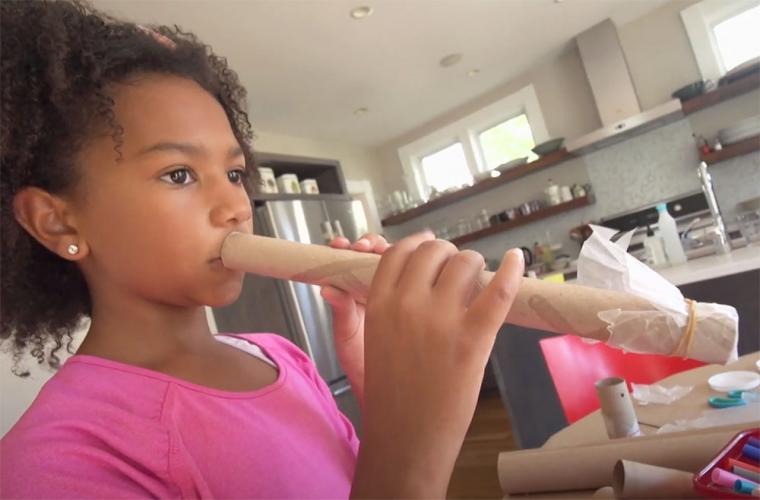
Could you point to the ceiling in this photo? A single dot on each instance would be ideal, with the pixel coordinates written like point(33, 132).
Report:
point(308, 65)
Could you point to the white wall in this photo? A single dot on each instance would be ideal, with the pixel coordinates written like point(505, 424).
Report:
point(18, 393)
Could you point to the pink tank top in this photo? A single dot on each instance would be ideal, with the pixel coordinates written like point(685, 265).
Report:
point(104, 429)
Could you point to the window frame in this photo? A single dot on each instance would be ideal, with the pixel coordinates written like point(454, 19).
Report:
point(466, 131)
point(699, 20)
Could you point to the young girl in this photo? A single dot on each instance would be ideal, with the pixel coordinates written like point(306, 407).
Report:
point(125, 162)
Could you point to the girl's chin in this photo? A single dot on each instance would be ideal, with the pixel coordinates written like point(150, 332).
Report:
point(224, 297)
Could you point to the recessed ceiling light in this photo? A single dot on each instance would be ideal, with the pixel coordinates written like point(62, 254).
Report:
point(361, 12)
point(473, 72)
point(361, 111)
point(450, 60)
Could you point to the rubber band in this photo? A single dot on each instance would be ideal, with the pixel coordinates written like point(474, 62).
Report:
point(684, 345)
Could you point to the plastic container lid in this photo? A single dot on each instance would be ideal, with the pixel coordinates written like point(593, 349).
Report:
point(734, 381)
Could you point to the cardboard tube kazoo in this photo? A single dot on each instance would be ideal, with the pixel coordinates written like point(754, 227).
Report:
point(553, 307)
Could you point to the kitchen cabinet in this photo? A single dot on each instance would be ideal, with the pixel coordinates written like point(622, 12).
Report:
point(527, 390)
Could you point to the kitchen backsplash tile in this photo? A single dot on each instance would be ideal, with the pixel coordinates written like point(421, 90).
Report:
point(735, 180)
point(656, 165)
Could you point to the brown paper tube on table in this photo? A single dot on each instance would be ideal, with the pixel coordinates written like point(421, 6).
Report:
point(587, 467)
point(637, 480)
point(555, 307)
point(617, 408)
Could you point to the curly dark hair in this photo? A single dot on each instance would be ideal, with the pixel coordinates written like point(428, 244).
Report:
point(58, 60)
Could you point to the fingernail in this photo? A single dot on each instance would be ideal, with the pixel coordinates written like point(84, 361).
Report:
point(518, 253)
point(362, 241)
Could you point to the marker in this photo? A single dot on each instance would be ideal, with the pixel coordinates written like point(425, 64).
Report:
point(724, 478)
point(744, 465)
point(740, 471)
point(746, 488)
point(751, 452)
point(754, 442)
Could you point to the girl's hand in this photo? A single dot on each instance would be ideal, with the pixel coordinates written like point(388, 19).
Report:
point(348, 316)
point(429, 332)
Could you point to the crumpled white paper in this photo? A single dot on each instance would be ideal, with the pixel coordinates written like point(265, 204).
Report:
point(604, 264)
point(714, 418)
point(659, 394)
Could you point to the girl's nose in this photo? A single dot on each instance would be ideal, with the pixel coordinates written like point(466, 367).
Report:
point(231, 205)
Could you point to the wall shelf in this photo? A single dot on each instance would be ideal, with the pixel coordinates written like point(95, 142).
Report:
point(262, 197)
point(526, 219)
point(509, 175)
point(722, 93)
point(740, 148)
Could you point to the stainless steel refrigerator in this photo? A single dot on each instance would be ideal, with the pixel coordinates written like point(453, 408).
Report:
point(295, 310)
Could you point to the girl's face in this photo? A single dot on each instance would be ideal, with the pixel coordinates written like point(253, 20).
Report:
point(154, 221)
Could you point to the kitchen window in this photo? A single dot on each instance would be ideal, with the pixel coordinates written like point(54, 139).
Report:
point(723, 34)
point(457, 153)
point(735, 36)
point(507, 141)
point(446, 168)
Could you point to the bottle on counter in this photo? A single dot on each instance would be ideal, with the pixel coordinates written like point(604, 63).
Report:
point(538, 257)
point(655, 251)
point(670, 237)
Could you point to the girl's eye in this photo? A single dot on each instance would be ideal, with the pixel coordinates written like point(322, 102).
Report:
point(178, 177)
point(236, 176)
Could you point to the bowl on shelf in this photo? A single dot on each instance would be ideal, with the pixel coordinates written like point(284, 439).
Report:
point(512, 164)
point(549, 146)
point(689, 91)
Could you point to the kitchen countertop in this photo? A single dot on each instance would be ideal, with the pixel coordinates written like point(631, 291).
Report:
point(713, 266)
point(709, 267)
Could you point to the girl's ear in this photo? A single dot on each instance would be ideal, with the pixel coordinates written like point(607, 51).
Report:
point(47, 218)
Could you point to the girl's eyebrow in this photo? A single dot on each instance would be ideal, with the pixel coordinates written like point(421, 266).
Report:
point(186, 148)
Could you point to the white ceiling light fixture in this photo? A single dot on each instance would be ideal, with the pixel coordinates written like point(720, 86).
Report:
point(361, 12)
point(473, 72)
point(450, 60)
point(361, 111)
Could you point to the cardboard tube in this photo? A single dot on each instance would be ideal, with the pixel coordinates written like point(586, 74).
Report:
point(637, 480)
point(617, 408)
point(587, 467)
point(553, 307)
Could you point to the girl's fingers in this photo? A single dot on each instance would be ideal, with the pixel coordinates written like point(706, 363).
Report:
point(424, 266)
point(489, 309)
point(370, 243)
point(393, 262)
point(459, 277)
point(340, 242)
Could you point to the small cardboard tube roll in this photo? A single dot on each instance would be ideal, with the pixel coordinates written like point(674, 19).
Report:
point(617, 408)
point(554, 307)
point(637, 480)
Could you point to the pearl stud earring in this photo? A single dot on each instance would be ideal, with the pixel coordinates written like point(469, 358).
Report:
point(73, 249)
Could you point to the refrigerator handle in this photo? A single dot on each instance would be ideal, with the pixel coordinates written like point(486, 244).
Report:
point(341, 390)
point(327, 232)
point(338, 228)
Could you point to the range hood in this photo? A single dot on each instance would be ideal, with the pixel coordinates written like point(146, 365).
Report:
point(614, 93)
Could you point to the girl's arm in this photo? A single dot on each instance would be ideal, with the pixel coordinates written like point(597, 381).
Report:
point(426, 348)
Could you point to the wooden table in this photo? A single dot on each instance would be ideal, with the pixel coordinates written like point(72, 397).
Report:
point(591, 428)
